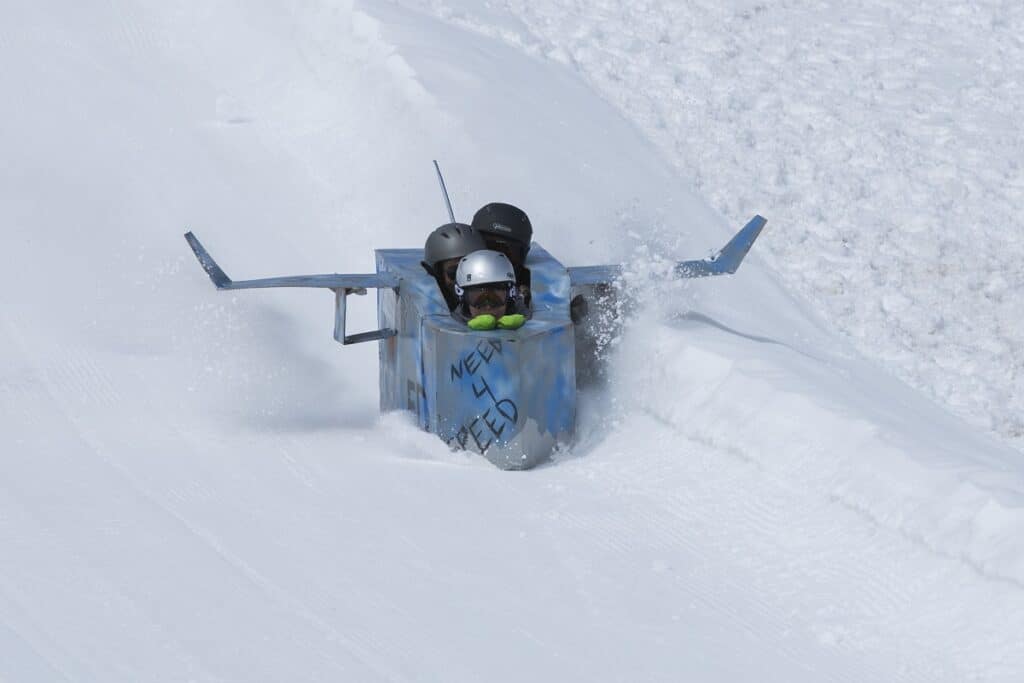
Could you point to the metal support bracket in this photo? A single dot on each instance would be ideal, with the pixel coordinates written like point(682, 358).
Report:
point(340, 297)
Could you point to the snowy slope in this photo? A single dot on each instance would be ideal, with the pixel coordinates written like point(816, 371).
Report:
point(196, 486)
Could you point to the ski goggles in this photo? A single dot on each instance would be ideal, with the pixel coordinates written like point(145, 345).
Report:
point(487, 296)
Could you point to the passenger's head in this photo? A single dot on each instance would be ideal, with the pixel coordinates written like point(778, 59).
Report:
point(505, 228)
point(485, 283)
point(445, 246)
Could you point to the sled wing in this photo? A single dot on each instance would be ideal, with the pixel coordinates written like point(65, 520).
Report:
point(342, 284)
point(725, 262)
point(356, 283)
point(729, 258)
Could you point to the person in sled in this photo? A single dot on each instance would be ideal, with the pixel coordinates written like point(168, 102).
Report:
point(485, 286)
point(441, 254)
point(507, 229)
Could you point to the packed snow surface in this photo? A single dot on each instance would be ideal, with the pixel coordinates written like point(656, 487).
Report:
point(197, 486)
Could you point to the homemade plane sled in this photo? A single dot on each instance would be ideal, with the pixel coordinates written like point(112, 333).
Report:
point(509, 395)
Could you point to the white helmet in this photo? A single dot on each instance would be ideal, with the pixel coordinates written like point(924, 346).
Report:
point(484, 267)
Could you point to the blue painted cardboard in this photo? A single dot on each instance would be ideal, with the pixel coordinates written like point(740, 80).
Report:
point(509, 395)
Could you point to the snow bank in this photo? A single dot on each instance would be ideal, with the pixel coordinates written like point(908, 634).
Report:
point(814, 427)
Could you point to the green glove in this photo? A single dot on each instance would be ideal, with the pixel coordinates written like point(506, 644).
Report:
point(483, 322)
point(511, 322)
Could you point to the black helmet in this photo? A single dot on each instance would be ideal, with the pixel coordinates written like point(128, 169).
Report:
point(453, 240)
point(504, 221)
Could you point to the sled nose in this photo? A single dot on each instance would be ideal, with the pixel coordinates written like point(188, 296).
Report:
point(508, 395)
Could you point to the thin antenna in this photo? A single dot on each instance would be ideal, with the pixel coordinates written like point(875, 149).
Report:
point(444, 191)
